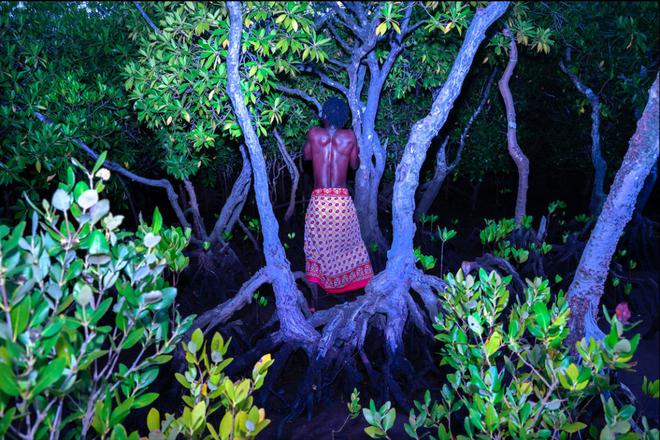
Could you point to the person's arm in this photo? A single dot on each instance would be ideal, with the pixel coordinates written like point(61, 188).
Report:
point(355, 154)
point(307, 148)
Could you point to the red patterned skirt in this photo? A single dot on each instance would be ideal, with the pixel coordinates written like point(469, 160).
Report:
point(335, 255)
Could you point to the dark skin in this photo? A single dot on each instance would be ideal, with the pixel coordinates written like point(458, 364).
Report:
point(331, 151)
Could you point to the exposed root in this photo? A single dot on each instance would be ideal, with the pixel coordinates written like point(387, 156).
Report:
point(490, 262)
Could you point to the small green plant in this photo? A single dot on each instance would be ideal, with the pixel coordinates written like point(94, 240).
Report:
point(354, 409)
point(428, 218)
point(173, 241)
point(555, 205)
point(527, 221)
point(627, 288)
point(651, 388)
point(380, 420)
point(227, 235)
point(582, 218)
point(496, 231)
point(261, 300)
point(373, 247)
point(290, 236)
point(427, 261)
point(210, 390)
point(445, 235)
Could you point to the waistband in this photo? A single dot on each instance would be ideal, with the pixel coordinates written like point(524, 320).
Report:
point(330, 192)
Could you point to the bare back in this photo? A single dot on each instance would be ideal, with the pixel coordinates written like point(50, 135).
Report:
point(331, 151)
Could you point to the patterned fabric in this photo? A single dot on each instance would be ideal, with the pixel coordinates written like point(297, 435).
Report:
point(335, 255)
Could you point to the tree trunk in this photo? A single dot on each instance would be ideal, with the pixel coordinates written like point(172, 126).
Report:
point(587, 287)
point(515, 151)
point(442, 168)
point(233, 206)
point(600, 166)
point(400, 255)
point(293, 326)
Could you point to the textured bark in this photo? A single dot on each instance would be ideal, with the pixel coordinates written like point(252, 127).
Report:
point(294, 327)
point(233, 206)
point(293, 171)
point(515, 151)
point(400, 256)
point(198, 222)
point(587, 287)
point(442, 168)
point(600, 166)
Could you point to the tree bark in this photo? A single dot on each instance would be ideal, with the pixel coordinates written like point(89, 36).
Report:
point(600, 166)
point(400, 256)
point(288, 298)
point(516, 153)
point(198, 222)
point(442, 168)
point(293, 171)
point(233, 206)
point(588, 284)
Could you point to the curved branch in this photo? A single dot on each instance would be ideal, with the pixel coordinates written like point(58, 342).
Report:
point(325, 79)
point(461, 143)
point(233, 206)
point(222, 312)
point(113, 166)
point(299, 93)
point(293, 170)
point(516, 153)
point(600, 166)
point(194, 207)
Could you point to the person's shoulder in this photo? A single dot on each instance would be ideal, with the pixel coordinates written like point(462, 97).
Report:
point(346, 132)
point(315, 131)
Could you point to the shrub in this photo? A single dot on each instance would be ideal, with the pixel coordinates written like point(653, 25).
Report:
point(87, 315)
point(515, 378)
point(210, 390)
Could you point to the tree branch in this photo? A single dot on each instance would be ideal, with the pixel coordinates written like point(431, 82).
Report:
point(304, 96)
point(293, 171)
point(147, 19)
point(233, 206)
point(194, 206)
point(112, 166)
point(461, 143)
point(325, 79)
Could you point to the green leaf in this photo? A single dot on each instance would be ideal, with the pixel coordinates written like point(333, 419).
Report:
point(144, 400)
point(474, 324)
point(98, 245)
point(157, 221)
point(88, 199)
point(99, 162)
point(542, 315)
point(153, 420)
point(48, 375)
point(374, 432)
point(573, 427)
point(492, 418)
point(61, 200)
point(8, 383)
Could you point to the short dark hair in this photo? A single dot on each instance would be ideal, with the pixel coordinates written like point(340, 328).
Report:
point(335, 111)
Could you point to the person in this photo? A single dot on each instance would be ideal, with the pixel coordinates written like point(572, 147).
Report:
point(336, 258)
